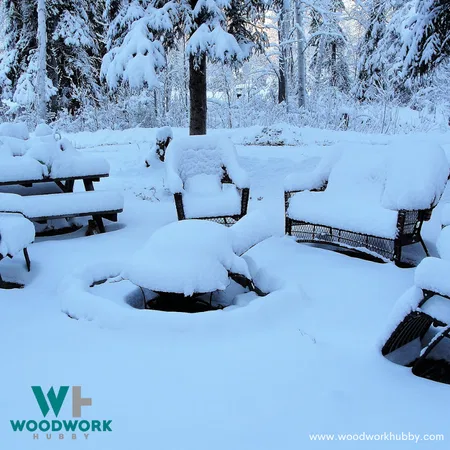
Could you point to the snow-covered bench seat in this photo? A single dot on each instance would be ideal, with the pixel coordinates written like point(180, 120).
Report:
point(40, 208)
point(371, 198)
point(16, 233)
point(207, 182)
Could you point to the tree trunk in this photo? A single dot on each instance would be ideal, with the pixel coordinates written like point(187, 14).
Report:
point(334, 74)
point(301, 66)
point(282, 85)
point(197, 91)
point(41, 82)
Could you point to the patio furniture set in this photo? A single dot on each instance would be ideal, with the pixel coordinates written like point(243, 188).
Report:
point(371, 203)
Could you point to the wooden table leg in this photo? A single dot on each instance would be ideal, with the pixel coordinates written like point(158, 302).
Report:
point(88, 185)
point(27, 258)
point(99, 222)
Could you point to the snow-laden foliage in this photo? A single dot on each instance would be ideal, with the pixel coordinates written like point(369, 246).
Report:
point(142, 31)
point(136, 55)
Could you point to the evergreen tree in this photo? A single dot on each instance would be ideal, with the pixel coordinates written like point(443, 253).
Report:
point(221, 30)
point(20, 40)
point(371, 64)
point(329, 62)
point(73, 46)
point(426, 40)
point(72, 59)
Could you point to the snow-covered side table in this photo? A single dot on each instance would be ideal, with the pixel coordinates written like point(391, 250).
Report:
point(186, 259)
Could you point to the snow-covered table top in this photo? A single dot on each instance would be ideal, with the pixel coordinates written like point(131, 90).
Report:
point(43, 157)
point(186, 257)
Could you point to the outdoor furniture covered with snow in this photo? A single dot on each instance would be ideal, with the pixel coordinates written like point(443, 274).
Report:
point(203, 174)
point(45, 159)
point(369, 198)
point(421, 333)
point(185, 260)
point(16, 233)
point(41, 208)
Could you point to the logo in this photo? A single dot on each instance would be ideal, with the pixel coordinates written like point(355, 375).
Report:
point(51, 404)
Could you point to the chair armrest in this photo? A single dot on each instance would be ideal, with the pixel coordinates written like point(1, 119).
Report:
point(173, 180)
point(238, 176)
point(312, 181)
point(289, 193)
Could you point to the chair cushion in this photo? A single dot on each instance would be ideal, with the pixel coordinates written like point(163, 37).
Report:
point(226, 202)
point(203, 184)
point(344, 213)
point(16, 233)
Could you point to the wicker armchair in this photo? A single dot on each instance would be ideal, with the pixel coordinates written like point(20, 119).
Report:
point(314, 216)
point(206, 180)
point(421, 337)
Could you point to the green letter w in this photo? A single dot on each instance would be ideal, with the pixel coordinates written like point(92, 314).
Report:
point(55, 401)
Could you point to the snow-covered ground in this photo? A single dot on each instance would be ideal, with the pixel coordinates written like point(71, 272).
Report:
point(264, 374)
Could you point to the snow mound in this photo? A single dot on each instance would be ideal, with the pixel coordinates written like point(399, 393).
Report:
point(43, 129)
point(253, 228)
point(443, 244)
point(17, 130)
point(278, 134)
point(14, 146)
point(190, 256)
point(445, 215)
point(16, 233)
point(164, 133)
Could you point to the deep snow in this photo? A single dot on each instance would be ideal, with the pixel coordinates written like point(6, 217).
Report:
point(260, 375)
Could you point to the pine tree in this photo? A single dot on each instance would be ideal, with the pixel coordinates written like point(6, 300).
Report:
point(329, 62)
point(427, 42)
point(371, 65)
point(142, 31)
point(73, 46)
point(20, 33)
point(72, 59)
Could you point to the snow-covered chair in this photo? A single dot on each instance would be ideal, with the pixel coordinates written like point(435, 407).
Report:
point(206, 180)
point(369, 197)
point(158, 150)
point(16, 233)
point(420, 322)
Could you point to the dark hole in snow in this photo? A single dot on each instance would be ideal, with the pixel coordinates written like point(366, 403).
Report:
point(172, 302)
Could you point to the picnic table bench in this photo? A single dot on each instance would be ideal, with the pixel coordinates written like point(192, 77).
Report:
point(65, 169)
